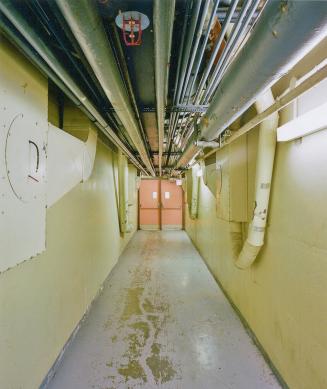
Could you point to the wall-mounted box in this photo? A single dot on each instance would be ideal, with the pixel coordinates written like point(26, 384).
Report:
point(228, 178)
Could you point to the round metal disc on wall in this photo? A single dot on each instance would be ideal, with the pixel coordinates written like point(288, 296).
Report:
point(25, 158)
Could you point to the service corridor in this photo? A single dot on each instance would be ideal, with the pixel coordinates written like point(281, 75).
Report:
point(162, 321)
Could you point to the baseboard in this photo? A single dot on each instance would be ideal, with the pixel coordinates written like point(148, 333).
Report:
point(246, 325)
point(55, 366)
point(52, 372)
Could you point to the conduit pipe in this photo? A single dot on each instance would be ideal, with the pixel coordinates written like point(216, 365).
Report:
point(264, 170)
point(163, 21)
point(24, 47)
point(87, 27)
point(123, 193)
point(182, 75)
point(203, 144)
point(36, 41)
point(271, 51)
point(232, 43)
point(320, 73)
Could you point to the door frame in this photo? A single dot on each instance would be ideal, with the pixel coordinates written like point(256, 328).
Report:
point(160, 203)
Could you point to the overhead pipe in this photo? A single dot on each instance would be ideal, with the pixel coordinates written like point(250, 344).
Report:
point(264, 171)
point(195, 52)
point(41, 47)
point(234, 42)
point(179, 63)
point(270, 52)
point(196, 100)
point(202, 50)
point(163, 21)
point(13, 35)
point(182, 75)
point(213, 56)
point(87, 27)
point(195, 47)
point(203, 144)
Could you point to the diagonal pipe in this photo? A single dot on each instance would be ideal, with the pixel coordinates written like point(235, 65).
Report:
point(86, 24)
point(271, 51)
point(44, 51)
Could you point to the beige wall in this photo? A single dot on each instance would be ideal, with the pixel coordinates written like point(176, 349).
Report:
point(43, 299)
point(283, 297)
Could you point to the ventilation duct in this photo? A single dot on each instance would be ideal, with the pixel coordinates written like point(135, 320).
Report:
point(271, 51)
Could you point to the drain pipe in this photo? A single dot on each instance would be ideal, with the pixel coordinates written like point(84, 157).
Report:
point(276, 49)
point(87, 27)
point(163, 21)
point(264, 170)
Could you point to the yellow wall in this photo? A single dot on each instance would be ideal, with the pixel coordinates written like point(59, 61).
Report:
point(43, 299)
point(283, 297)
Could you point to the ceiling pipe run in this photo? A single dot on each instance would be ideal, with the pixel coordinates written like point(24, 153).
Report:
point(163, 21)
point(271, 51)
point(41, 47)
point(85, 22)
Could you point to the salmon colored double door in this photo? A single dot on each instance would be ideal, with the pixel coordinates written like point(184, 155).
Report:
point(160, 205)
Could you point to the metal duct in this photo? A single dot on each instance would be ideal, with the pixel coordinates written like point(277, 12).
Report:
point(87, 27)
point(163, 21)
point(271, 51)
point(41, 47)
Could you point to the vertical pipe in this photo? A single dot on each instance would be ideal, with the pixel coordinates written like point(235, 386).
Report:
point(264, 171)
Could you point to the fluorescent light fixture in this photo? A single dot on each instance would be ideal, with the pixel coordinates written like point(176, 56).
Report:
point(179, 182)
point(308, 123)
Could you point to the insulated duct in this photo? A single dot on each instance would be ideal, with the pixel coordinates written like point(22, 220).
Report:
point(163, 21)
point(45, 52)
point(271, 51)
point(85, 22)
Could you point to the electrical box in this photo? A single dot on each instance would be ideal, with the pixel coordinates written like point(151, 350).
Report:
point(230, 181)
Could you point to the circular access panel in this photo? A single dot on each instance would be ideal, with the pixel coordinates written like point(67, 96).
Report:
point(25, 158)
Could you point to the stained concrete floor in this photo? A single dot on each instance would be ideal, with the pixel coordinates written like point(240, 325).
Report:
point(162, 322)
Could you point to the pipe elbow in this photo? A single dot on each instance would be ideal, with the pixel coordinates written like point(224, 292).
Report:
point(247, 256)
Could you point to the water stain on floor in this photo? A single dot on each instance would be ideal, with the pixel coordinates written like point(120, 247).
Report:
point(144, 316)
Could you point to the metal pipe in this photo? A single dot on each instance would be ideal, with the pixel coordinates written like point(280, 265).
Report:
point(163, 21)
point(229, 52)
point(188, 127)
point(12, 34)
point(200, 55)
point(215, 51)
point(231, 42)
point(195, 48)
point(87, 27)
point(179, 64)
point(204, 44)
point(280, 103)
point(203, 144)
point(269, 53)
point(129, 86)
point(186, 57)
point(37, 42)
point(222, 12)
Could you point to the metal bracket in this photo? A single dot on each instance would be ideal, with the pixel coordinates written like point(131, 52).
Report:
point(188, 108)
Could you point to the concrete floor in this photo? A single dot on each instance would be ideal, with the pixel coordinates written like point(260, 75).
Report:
point(162, 321)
